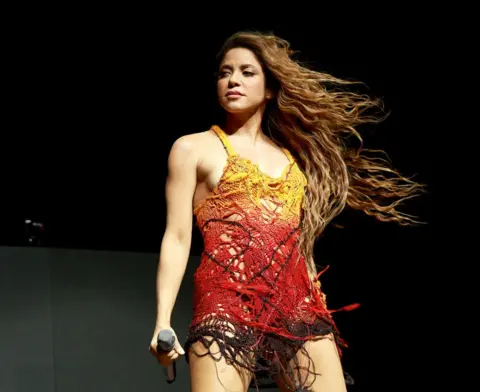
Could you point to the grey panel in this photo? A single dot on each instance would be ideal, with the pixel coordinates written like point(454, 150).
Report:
point(26, 344)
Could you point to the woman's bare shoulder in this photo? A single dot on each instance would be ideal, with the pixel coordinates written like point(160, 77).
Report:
point(195, 143)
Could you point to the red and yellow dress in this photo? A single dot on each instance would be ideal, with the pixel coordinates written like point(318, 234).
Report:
point(250, 296)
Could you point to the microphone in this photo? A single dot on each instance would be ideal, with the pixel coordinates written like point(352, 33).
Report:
point(166, 342)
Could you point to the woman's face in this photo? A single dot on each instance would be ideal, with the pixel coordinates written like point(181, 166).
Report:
point(241, 83)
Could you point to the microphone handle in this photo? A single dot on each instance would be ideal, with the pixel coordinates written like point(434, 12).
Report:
point(166, 342)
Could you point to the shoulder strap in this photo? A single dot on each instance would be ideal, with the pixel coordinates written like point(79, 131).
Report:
point(223, 138)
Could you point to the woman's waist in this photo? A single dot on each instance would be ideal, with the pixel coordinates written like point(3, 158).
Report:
point(251, 267)
point(266, 284)
point(257, 300)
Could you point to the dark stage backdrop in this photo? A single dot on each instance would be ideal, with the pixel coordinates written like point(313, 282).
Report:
point(95, 107)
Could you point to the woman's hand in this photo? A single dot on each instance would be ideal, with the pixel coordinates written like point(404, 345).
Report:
point(165, 358)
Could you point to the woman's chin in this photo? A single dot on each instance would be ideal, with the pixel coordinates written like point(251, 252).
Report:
point(235, 108)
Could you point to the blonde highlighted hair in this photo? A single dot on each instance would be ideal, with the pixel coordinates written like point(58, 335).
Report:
point(315, 116)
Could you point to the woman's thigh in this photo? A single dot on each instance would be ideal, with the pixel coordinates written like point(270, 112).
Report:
point(215, 374)
point(323, 359)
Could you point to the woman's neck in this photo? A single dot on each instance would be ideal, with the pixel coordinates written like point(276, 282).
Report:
point(247, 127)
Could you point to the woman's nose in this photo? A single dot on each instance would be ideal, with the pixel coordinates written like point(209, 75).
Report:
point(233, 81)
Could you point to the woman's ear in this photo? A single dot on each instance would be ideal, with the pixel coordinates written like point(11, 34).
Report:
point(269, 94)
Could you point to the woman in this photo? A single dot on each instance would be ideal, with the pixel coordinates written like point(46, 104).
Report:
point(263, 187)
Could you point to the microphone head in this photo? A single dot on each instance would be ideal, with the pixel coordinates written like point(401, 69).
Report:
point(165, 340)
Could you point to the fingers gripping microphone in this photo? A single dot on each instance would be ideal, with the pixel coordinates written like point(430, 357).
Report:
point(166, 342)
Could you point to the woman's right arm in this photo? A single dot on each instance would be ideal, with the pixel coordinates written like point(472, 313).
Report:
point(175, 247)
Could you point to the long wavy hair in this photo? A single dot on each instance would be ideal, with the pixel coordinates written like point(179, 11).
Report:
point(315, 116)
